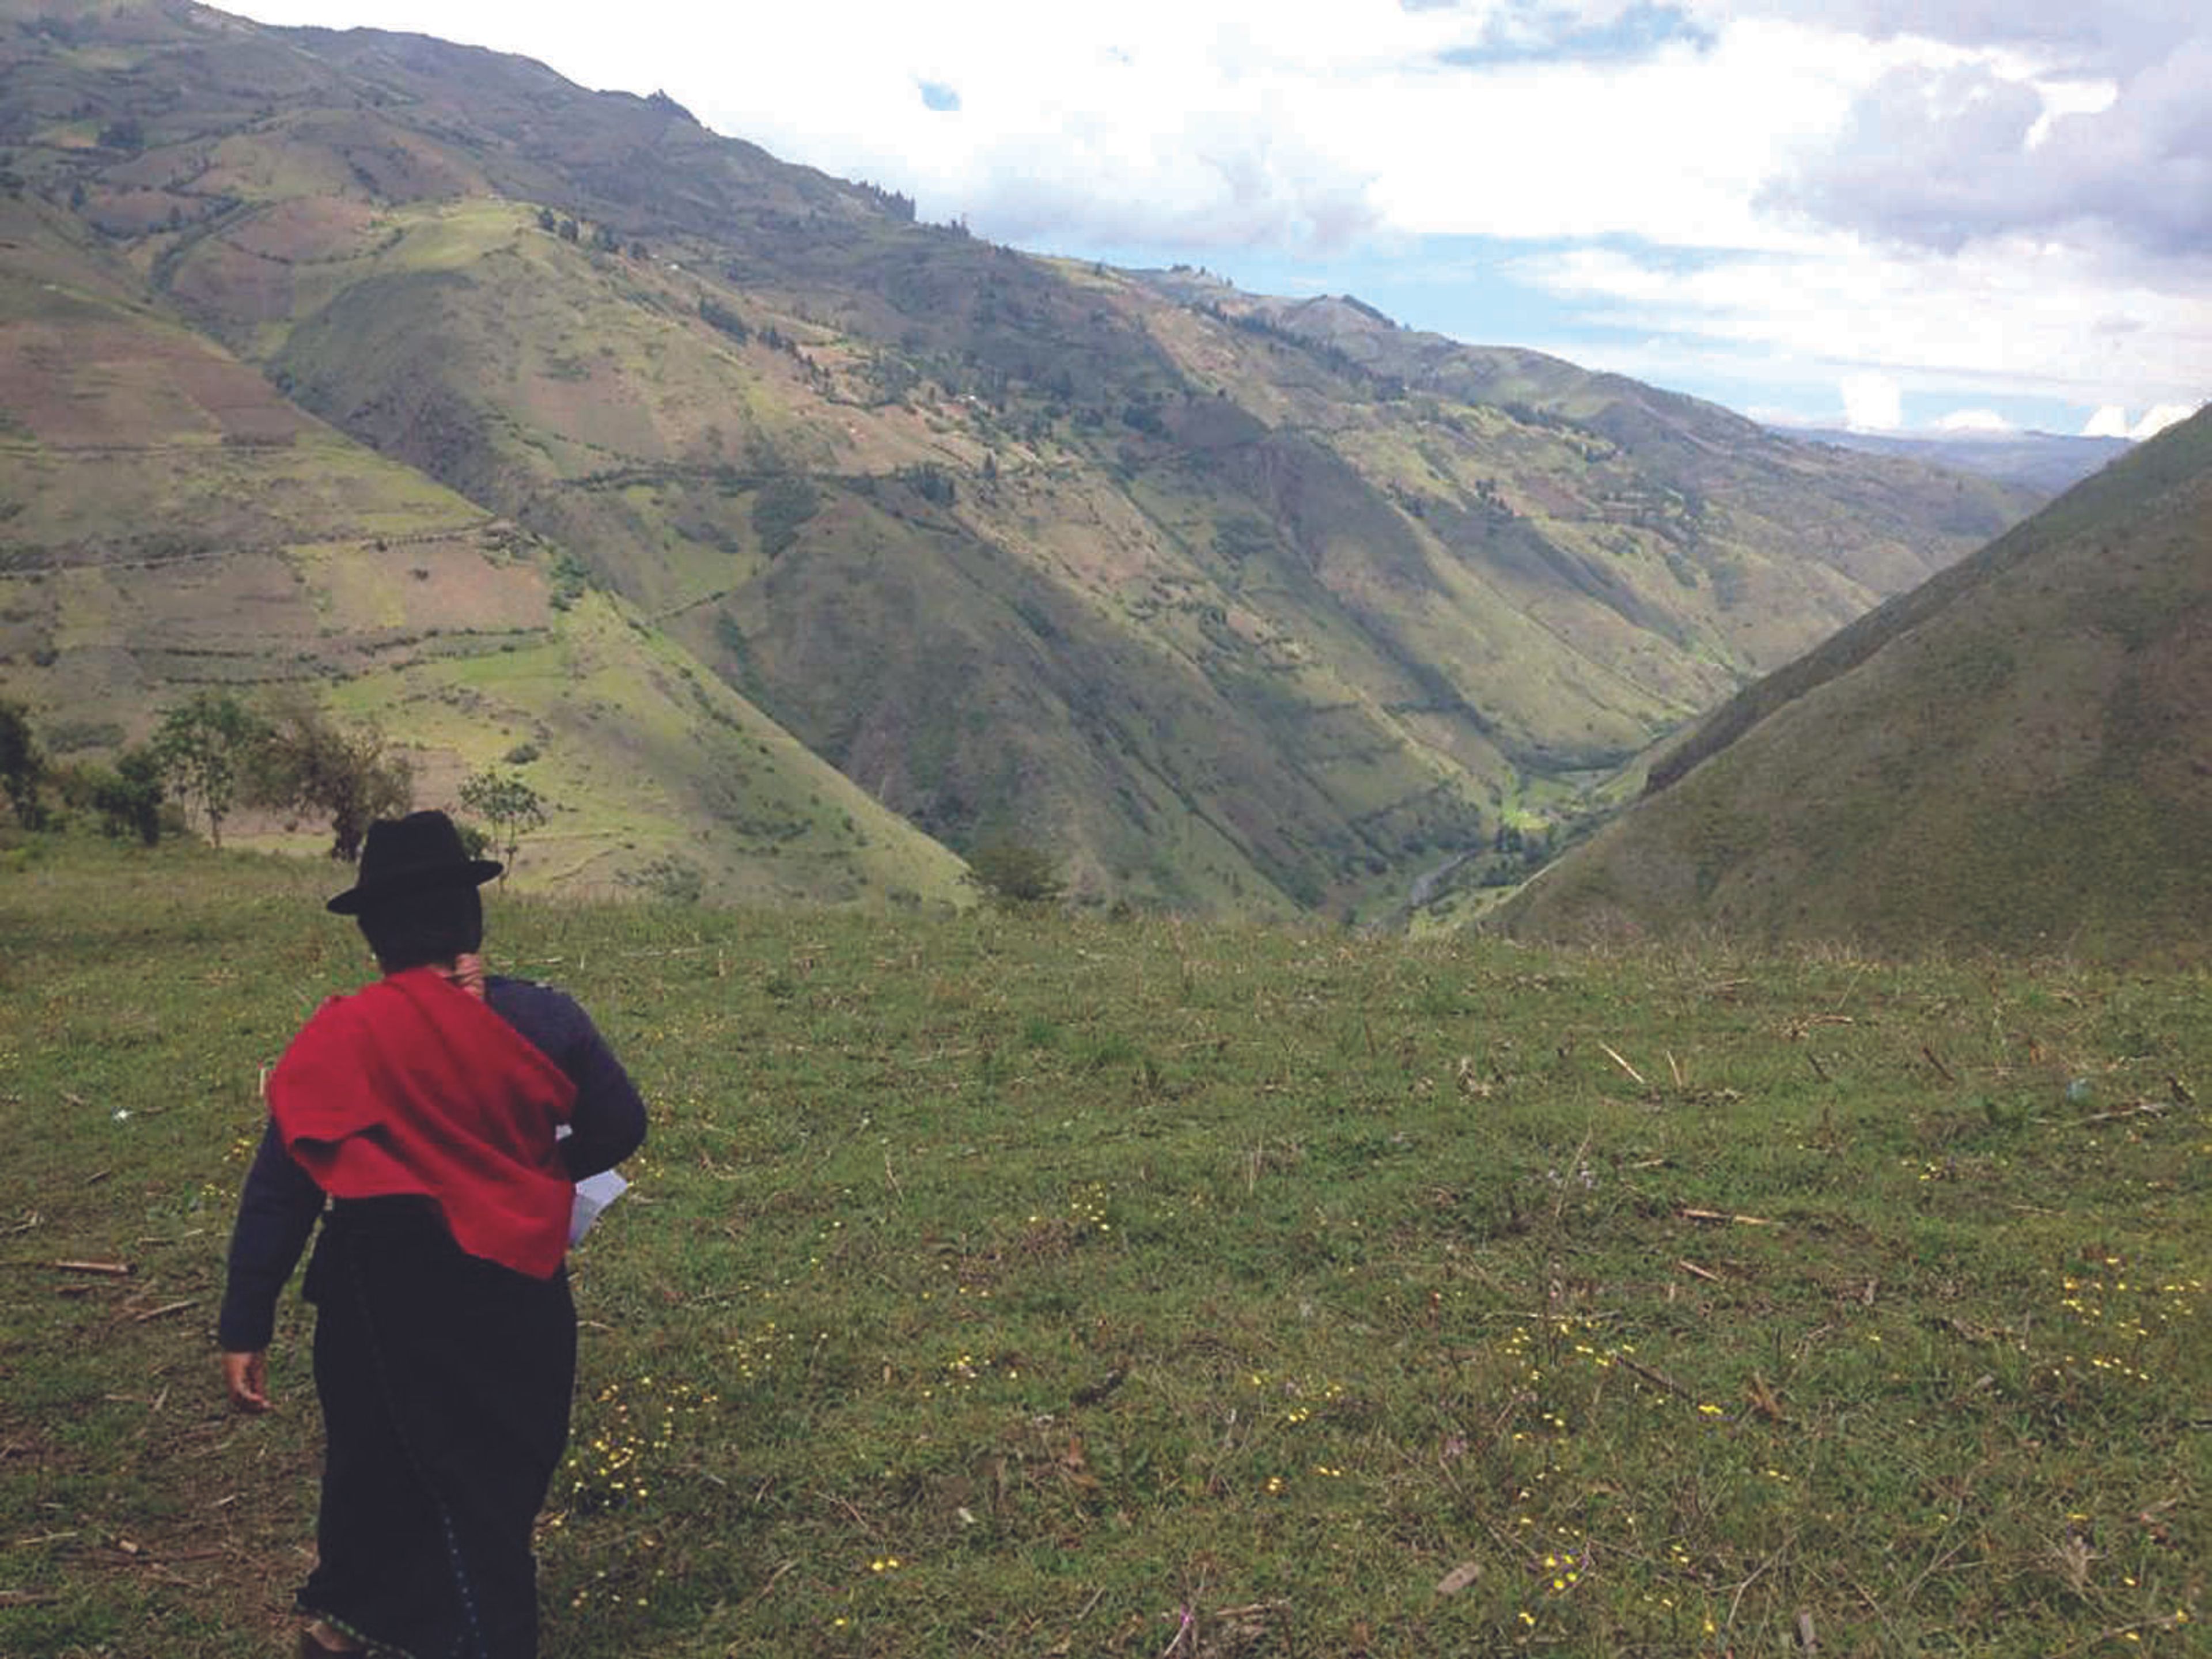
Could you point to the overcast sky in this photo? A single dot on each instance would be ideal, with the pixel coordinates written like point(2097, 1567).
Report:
point(1906, 212)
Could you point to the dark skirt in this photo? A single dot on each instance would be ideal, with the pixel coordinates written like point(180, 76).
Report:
point(445, 1382)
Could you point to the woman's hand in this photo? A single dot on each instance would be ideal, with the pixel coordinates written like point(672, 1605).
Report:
point(245, 1379)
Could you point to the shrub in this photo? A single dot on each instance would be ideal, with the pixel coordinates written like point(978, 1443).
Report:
point(1015, 872)
point(671, 878)
point(780, 510)
point(129, 799)
point(716, 315)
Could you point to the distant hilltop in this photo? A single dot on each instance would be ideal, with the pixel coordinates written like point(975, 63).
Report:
point(2048, 461)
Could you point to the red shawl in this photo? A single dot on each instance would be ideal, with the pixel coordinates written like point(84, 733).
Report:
point(411, 1085)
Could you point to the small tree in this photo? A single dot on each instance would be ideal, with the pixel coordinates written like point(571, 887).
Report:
point(309, 763)
point(508, 806)
point(204, 746)
point(22, 765)
point(1012, 871)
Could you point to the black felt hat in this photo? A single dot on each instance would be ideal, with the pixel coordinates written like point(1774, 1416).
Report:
point(413, 854)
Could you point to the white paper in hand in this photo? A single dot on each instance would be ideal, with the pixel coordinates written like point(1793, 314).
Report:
point(593, 1194)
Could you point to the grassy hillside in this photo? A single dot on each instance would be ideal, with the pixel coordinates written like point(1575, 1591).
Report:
point(172, 523)
point(1766, 527)
point(2012, 755)
point(1223, 611)
point(1130, 1288)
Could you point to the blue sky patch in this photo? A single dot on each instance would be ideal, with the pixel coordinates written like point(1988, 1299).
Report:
point(940, 97)
point(1553, 36)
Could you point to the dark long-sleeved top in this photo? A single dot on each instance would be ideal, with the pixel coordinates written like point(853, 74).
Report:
point(277, 1210)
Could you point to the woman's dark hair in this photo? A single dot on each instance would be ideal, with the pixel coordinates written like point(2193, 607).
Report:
point(413, 929)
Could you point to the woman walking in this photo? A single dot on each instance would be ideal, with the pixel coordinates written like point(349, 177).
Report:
point(436, 1121)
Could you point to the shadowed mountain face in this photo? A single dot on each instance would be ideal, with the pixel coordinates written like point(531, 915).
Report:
point(1230, 602)
point(2018, 754)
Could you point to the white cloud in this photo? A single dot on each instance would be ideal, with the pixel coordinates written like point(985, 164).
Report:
point(1973, 421)
point(1872, 403)
point(2019, 318)
point(2112, 421)
point(2156, 420)
point(1292, 121)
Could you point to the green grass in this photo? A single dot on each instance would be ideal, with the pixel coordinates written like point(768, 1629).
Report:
point(1067, 1285)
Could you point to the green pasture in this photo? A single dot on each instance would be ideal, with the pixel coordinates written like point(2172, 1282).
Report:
point(1096, 1285)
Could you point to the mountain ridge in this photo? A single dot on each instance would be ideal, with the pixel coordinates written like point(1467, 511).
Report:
point(2042, 460)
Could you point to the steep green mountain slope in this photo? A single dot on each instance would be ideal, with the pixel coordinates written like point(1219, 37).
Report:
point(170, 522)
point(2017, 754)
point(1229, 606)
point(1766, 525)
